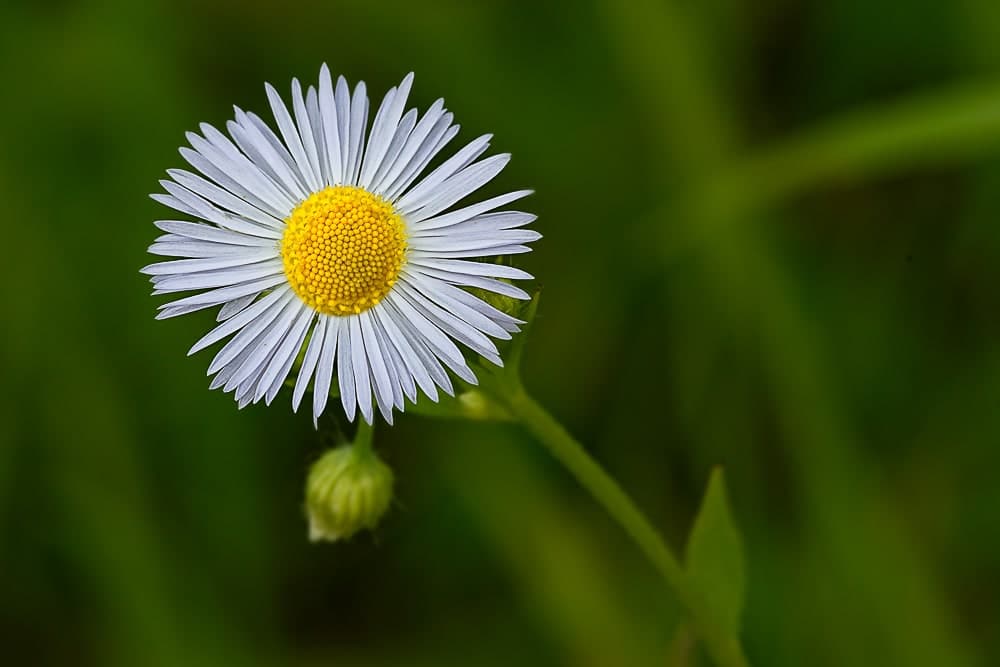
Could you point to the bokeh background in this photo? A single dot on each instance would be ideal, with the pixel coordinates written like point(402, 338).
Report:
point(772, 242)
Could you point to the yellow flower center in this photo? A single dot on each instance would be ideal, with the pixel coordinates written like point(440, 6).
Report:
point(343, 249)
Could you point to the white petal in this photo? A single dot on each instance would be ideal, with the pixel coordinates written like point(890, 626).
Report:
point(429, 360)
point(307, 133)
point(221, 197)
point(247, 389)
point(491, 251)
point(411, 360)
point(331, 133)
point(425, 189)
point(309, 362)
point(316, 122)
point(399, 140)
point(459, 186)
point(223, 294)
point(203, 209)
point(243, 394)
point(191, 203)
point(175, 203)
point(462, 369)
point(472, 268)
point(345, 373)
point(400, 379)
point(378, 138)
point(248, 136)
point(278, 382)
point(384, 128)
point(324, 367)
point(298, 182)
point(227, 182)
point(508, 323)
point(463, 214)
point(429, 332)
point(293, 140)
point(342, 99)
point(439, 293)
point(207, 264)
point(251, 366)
point(456, 328)
point(377, 364)
point(457, 365)
point(269, 341)
point(252, 328)
point(203, 232)
point(174, 311)
point(474, 240)
point(220, 278)
point(224, 154)
point(285, 354)
point(359, 123)
point(413, 142)
point(359, 364)
point(488, 222)
point(488, 284)
point(238, 321)
point(243, 380)
point(442, 133)
point(227, 371)
point(234, 307)
point(194, 249)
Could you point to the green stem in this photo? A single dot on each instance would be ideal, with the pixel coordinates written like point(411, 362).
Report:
point(363, 438)
point(724, 648)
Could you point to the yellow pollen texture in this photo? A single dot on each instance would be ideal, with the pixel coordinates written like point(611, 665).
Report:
point(343, 249)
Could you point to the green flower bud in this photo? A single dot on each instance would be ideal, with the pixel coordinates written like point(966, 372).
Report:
point(474, 404)
point(502, 302)
point(349, 489)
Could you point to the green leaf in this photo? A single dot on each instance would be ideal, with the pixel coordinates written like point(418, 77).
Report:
point(714, 556)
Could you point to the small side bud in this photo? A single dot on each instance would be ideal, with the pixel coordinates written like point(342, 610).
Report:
point(502, 302)
point(348, 490)
point(474, 404)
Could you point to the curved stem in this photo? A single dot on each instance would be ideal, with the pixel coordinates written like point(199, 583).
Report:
point(724, 648)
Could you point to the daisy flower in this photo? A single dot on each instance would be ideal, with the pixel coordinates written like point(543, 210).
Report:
point(326, 243)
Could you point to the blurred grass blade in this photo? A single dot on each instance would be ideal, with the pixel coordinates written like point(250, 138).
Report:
point(714, 557)
point(554, 556)
point(664, 55)
point(957, 124)
point(681, 652)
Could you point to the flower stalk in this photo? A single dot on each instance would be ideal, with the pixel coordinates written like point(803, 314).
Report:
point(349, 489)
point(723, 647)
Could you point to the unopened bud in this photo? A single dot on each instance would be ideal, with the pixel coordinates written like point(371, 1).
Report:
point(474, 404)
point(502, 302)
point(348, 490)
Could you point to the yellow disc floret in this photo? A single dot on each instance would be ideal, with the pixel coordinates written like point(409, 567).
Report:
point(343, 249)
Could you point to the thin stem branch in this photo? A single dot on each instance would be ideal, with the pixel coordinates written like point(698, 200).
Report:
point(724, 648)
point(363, 438)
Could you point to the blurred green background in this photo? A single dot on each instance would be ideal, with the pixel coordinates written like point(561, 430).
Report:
point(772, 241)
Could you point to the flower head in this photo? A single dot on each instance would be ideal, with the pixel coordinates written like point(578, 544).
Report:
point(329, 237)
